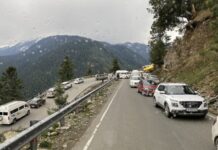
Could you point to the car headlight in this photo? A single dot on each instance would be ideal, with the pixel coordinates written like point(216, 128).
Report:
point(174, 103)
point(205, 103)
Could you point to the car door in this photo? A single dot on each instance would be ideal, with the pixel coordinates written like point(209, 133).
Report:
point(140, 85)
point(160, 97)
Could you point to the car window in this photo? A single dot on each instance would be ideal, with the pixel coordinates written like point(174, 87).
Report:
point(161, 88)
point(135, 78)
point(14, 111)
point(179, 90)
point(5, 113)
point(21, 107)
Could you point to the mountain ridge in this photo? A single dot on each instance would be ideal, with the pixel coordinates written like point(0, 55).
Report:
point(38, 65)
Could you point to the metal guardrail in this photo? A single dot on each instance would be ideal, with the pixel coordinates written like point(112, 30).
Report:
point(21, 139)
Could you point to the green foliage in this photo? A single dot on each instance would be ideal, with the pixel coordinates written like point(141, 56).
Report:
point(60, 98)
point(66, 70)
point(115, 65)
point(89, 72)
point(168, 14)
point(10, 86)
point(157, 52)
point(45, 144)
point(55, 126)
point(41, 70)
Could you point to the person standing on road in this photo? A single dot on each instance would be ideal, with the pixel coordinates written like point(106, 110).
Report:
point(118, 76)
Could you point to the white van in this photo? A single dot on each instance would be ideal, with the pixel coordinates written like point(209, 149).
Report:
point(12, 111)
point(124, 74)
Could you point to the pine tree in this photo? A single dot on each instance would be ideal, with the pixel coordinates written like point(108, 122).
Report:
point(115, 65)
point(66, 70)
point(60, 98)
point(89, 72)
point(10, 86)
point(157, 52)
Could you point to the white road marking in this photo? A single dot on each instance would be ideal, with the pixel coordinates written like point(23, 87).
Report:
point(102, 117)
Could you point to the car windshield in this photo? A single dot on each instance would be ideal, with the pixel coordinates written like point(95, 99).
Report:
point(151, 82)
point(179, 90)
point(135, 78)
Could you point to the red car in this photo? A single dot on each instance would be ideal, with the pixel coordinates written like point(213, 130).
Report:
point(147, 87)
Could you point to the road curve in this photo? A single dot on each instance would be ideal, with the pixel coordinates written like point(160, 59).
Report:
point(40, 113)
point(131, 122)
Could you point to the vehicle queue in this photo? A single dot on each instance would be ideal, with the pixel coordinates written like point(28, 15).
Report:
point(175, 99)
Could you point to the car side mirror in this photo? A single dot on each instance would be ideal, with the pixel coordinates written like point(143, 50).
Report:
point(162, 92)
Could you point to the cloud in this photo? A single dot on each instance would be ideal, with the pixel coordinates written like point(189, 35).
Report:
point(106, 20)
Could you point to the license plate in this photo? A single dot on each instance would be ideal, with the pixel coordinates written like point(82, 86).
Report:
point(191, 110)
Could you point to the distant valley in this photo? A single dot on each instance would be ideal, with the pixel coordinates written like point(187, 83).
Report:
point(38, 61)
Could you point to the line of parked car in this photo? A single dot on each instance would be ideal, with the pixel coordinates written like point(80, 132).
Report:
point(11, 112)
point(65, 85)
point(176, 99)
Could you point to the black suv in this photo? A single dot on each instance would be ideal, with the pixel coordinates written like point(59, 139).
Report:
point(36, 102)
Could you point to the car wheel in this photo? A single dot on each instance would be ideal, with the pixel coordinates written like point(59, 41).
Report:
point(139, 91)
point(143, 93)
point(167, 111)
point(28, 112)
point(155, 102)
point(216, 143)
point(14, 121)
point(203, 116)
point(147, 94)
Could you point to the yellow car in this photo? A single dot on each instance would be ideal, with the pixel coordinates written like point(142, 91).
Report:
point(148, 68)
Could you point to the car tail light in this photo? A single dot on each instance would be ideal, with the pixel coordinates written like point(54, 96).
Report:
point(214, 122)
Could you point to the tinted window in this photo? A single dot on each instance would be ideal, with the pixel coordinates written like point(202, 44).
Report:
point(15, 110)
point(21, 107)
point(3, 113)
point(161, 88)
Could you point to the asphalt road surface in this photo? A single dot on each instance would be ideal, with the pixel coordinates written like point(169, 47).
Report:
point(42, 112)
point(129, 121)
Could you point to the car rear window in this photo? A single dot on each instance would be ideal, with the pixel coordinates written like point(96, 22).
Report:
point(3, 113)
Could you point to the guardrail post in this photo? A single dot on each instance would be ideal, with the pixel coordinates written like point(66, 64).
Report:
point(62, 122)
point(33, 143)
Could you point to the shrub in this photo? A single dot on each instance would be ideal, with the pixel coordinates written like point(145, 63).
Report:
point(45, 144)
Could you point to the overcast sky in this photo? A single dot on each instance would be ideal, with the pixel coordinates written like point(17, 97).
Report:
point(112, 21)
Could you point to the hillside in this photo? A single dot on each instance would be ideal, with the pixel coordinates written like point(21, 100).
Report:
point(38, 65)
point(194, 57)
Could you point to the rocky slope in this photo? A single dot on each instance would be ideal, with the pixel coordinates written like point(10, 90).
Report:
point(194, 57)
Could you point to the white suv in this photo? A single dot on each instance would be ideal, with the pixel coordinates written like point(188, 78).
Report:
point(134, 81)
point(215, 132)
point(179, 99)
